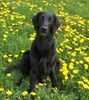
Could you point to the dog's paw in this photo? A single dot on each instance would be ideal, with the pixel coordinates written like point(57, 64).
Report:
point(18, 83)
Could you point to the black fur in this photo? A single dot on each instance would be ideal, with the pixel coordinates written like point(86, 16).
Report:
point(40, 61)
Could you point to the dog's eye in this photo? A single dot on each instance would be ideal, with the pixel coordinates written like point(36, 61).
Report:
point(49, 19)
point(42, 17)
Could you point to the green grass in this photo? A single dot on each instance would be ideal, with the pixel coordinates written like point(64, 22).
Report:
point(72, 46)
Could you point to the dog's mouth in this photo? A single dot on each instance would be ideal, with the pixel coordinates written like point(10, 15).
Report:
point(43, 35)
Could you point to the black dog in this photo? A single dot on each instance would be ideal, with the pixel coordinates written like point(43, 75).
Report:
point(40, 61)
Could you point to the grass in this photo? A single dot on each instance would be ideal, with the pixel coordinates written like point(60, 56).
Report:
point(72, 46)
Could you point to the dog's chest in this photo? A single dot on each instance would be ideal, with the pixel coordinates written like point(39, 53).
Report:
point(43, 47)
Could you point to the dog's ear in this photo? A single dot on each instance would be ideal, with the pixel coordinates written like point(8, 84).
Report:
point(56, 24)
point(35, 20)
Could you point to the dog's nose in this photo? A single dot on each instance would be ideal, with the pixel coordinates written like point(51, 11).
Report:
point(44, 29)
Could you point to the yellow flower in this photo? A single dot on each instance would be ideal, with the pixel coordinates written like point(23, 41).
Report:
point(65, 72)
point(42, 84)
point(75, 43)
point(86, 66)
point(5, 56)
point(33, 93)
point(4, 39)
point(82, 40)
point(12, 17)
point(10, 55)
point(80, 82)
point(77, 62)
point(9, 74)
point(87, 59)
point(5, 36)
point(22, 51)
point(81, 62)
point(65, 65)
point(66, 77)
point(73, 60)
point(73, 54)
point(75, 39)
point(75, 71)
point(85, 80)
point(57, 50)
point(68, 47)
point(16, 55)
point(31, 38)
point(9, 60)
point(85, 86)
point(67, 28)
point(71, 65)
point(24, 93)
point(1, 89)
point(40, 8)
point(9, 92)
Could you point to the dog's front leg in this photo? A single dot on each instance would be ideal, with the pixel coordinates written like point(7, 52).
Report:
point(32, 87)
point(52, 77)
point(33, 80)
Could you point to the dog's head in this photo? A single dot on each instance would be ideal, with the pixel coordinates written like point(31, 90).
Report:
point(45, 23)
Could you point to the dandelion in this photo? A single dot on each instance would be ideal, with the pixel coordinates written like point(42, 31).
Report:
point(5, 36)
point(65, 65)
point(77, 62)
point(87, 59)
point(75, 39)
point(81, 61)
point(5, 56)
point(42, 84)
point(73, 54)
point(80, 82)
point(9, 93)
point(16, 55)
point(65, 72)
point(1, 89)
point(57, 50)
point(31, 38)
point(82, 40)
point(9, 74)
point(75, 71)
point(9, 60)
point(85, 86)
point(66, 77)
point(10, 55)
point(22, 51)
point(71, 66)
point(4, 39)
point(40, 8)
point(86, 66)
point(73, 60)
point(33, 93)
point(24, 93)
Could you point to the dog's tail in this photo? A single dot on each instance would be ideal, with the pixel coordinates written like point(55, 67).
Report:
point(23, 65)
point(9, 70)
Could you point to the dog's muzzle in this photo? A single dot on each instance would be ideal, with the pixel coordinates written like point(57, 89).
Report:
point(43, 31)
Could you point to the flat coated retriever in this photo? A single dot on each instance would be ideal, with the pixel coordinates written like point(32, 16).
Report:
point(41, 60)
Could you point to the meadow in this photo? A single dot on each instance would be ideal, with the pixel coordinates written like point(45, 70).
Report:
point(71, 41)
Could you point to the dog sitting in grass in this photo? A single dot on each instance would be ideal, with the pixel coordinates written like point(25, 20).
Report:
point(41, 60)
